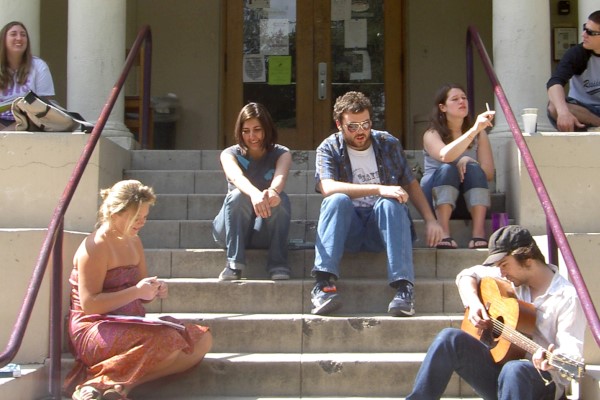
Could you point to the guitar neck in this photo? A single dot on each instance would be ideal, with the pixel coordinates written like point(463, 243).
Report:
point(567, 367)
point(516, 337)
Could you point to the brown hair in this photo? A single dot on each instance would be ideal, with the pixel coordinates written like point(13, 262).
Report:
point(123, 196)
point(6, 77)
point(438, 121)
point(260, 112)
point(595, 16)
point(352, 102)
point(524, 253)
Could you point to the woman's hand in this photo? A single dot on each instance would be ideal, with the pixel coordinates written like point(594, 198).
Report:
point(273, 197)
point(483, 121)
point(260, 202)
point(148, 288)
point(461, 165)
point(163, 290)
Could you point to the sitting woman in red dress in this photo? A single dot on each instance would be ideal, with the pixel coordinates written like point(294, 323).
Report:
point(110, 279)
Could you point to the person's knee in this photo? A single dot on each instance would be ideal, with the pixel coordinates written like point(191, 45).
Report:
point(235, 197)
point(514, 371)
point(337, 202)
point(476, 174)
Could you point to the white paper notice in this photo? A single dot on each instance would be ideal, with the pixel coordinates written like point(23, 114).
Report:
point(274, 37)
point(341, 10)
point(254, 68)
point(355, 33)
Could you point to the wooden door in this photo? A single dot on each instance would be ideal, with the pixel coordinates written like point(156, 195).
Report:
point(297, 56)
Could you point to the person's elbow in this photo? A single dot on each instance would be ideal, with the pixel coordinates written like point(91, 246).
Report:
point(326, 187)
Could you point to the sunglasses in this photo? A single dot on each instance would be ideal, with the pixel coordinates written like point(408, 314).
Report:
point(355, 126)
point(590, 32)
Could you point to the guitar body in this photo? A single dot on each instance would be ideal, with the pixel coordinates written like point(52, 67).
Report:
point(502, 304)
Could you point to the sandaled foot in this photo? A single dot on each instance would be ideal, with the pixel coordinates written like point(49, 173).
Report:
point(87, 393)
point(478, 243)
point(446, 243)
point(116, 393)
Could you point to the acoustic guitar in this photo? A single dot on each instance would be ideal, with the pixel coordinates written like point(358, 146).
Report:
point(512, 323)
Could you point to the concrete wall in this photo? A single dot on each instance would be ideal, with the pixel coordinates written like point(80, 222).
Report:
point(36, 169)
point(20, 249)
point(569, 166)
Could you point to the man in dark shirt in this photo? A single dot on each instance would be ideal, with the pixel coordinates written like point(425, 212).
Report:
point(580, 67)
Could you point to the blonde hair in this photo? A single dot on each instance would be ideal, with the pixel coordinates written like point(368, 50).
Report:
point(124, 196)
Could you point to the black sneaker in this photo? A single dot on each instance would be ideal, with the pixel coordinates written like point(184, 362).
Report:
point(325, 298)
point(403, 303)
point(230, 274)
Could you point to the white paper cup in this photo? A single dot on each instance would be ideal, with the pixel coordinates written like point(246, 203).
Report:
point(529, 123)
point(530, 111)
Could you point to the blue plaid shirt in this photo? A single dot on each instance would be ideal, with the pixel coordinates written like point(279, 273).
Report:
point(333, 161)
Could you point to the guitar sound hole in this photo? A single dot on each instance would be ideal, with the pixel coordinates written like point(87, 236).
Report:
point(490, 336)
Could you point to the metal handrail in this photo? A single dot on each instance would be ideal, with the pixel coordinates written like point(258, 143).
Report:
point(53, 240)
point(556, 233)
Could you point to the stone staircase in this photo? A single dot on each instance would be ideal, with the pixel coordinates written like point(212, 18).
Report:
point(266, 342)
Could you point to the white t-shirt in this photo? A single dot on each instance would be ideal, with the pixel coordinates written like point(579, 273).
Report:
point(364, 171)
point(39, 81)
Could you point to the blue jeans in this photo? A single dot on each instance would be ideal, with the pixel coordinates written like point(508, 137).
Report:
point(444, 186)
point(237, 227)
point(385, 227)
point(454, 350)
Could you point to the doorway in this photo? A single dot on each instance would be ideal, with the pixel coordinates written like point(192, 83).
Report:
point(297, 56)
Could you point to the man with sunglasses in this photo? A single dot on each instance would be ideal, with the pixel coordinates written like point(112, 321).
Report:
point(580, 67)
point(367, 182)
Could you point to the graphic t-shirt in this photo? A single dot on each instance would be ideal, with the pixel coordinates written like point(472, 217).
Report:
point(364, 171)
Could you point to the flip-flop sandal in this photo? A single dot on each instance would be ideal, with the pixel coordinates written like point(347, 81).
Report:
point(79, 393)
point(113, 394)
point(447, 243)
point(475, 240)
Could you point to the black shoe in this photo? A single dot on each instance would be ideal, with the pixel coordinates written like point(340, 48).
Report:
point(403, 303)
point(230, 274)
point(325, 298)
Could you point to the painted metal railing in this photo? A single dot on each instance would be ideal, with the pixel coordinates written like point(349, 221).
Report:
point(555, 231)
point(54, 237)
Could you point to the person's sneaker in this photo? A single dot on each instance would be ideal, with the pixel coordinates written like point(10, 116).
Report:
point(280, 275)
point(230, 274)
point(325, 298)
point(403, 303)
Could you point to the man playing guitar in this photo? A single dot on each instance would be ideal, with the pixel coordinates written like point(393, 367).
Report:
point(557, 327)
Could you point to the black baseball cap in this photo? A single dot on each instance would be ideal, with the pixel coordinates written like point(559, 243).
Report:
point(505, 240)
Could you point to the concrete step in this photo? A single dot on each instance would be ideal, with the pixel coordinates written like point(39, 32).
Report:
point(208, 263)
point(201, 159)
point(197, 234)
point(207, 206)
point(293, 374)
point(306, 333)
point(359, 296)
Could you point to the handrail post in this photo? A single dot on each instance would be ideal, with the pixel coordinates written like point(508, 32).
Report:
point(470, 75)
point(552, 247)
point(146, 89)
point(56, 314)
